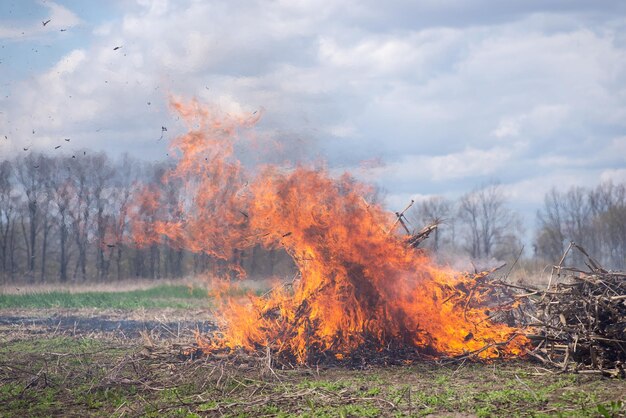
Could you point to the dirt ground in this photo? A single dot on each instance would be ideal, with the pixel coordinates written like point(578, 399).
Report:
point(89, 362)
point(122, 323)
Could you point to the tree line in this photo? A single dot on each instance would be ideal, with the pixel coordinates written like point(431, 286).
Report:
point(482, 225)
point(67, 219)
point(64, 217)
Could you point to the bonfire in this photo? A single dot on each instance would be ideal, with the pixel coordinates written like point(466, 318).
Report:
point(361, 290)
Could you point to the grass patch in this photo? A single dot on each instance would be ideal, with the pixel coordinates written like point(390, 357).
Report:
point(330, 386)
point(60, 376)
point(61, 345)
point(163, 296)
point(65, 375)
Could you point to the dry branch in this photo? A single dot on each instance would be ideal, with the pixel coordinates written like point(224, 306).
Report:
point(580, 324)
point(416, 239)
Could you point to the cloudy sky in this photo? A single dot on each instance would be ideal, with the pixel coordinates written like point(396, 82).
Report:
point(435, 97)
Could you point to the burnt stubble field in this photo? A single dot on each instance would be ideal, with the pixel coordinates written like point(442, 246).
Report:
point(319, 209)
point(138, 357)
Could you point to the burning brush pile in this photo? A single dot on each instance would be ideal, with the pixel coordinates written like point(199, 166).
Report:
point(580, 323)
point(362, 291)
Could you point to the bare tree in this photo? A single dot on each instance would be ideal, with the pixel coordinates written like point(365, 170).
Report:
point(608, 229)
point(33, 185)
point(613, 227)
point(172, 200)
point(565, 217)
point(46, 167)
point(63, 190)
point(147, 211)
point(101, 191)
point(80, 212)
point(9, 203)
point(490, 227)
point(125, 176)
point(594, 218)
point(550, 241)
point(435, 209)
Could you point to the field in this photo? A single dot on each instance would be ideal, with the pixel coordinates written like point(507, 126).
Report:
point(129, 353)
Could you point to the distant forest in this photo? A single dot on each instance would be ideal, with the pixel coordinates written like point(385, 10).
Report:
point(481, 225)
point(67, 219)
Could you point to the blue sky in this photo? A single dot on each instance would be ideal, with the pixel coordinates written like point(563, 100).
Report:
point(442, 95)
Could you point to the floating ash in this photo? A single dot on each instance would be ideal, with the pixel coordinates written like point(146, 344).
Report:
point(361, 287)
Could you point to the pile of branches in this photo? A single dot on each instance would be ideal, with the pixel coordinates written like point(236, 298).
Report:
point(580, 322)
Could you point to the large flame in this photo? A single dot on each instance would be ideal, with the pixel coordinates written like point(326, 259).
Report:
point(360, 285)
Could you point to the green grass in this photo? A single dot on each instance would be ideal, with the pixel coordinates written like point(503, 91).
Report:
point(164, 296)
point(60, 344)
point(64, 375)
point(51, 376)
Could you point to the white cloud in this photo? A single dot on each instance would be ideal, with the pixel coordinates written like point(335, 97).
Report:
point(533, 189)
point(447, 97)
point(399, 201)
point(540, 121)
point(59, 17)
point(617, 146)
point(342, 130)
point(470, 163)
point(617, 175)
point(68, 64)
point(508, 127)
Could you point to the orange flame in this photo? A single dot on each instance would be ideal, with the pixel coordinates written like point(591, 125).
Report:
point(359, 287)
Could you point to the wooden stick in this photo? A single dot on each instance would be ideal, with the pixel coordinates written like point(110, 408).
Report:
point(399, 216)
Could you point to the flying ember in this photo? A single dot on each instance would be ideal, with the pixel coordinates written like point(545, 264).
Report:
point(360, 287)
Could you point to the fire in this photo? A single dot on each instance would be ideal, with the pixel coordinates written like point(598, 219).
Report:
point(360, 286)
